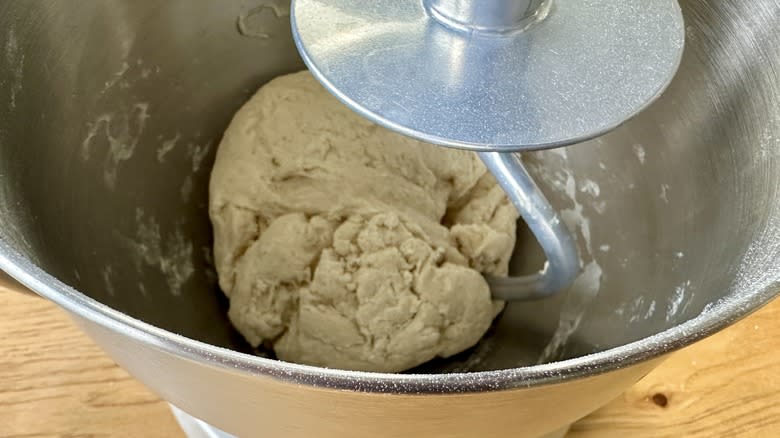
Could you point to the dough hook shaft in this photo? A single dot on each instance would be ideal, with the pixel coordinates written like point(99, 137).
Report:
point(492, 16)
point(556, 240)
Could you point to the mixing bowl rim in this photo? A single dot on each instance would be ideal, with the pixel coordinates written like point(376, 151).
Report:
point(724, 313)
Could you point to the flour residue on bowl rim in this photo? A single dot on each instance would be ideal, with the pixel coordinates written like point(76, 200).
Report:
point(280, 10)
point(15, 59)
point(588, 284)
point(167, 146)
point(122, 132)
point(171, 255)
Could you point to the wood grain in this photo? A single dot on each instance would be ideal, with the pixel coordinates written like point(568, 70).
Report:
point(55, 383)
point(727, 385)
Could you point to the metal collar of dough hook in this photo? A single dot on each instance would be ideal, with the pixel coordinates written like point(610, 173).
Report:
point(497, 77)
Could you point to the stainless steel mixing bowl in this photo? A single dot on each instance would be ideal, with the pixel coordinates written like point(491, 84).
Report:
point(110, 113)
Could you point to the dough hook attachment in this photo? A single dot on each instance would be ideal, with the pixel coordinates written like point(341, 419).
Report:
point(497, 77)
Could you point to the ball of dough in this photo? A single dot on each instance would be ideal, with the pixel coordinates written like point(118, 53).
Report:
point(344, 245)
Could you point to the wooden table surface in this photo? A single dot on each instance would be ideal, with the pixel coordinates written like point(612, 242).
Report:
point(55, 383)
